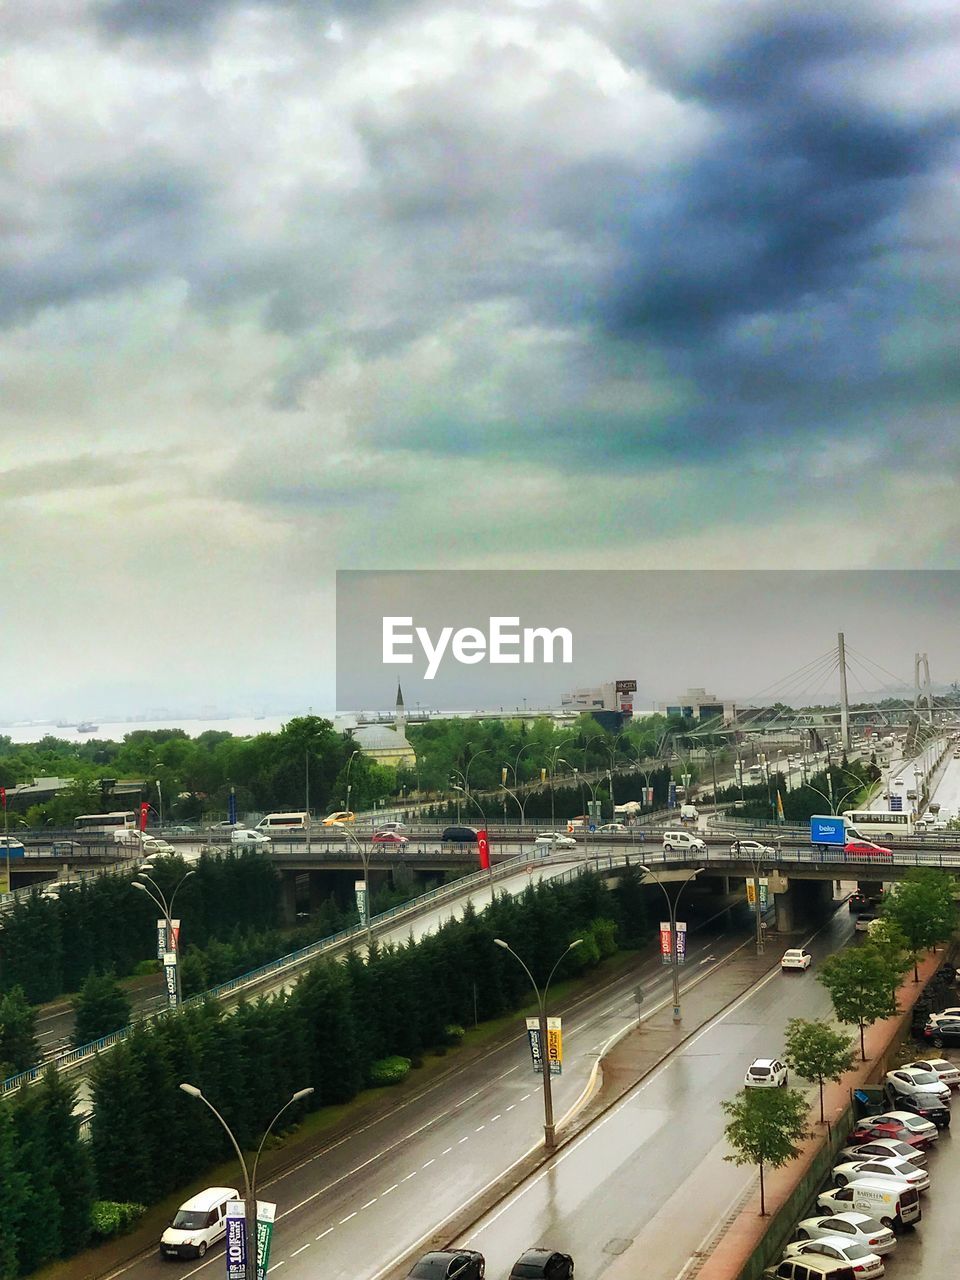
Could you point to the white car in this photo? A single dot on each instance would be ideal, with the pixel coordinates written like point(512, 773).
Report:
point(244, 835)
point(951, 1012)
point(857, 1227)
point(913, 1083)
point(916, 1124)
point(900, 1170)
point(947, 1071)
point(796, 958)
point(751, 848)
point(885, 1149)
point(613, 829)
point(127, 835)
point(389, 826)
point(766, 1073)
point(555, 840)
point(865, 1262)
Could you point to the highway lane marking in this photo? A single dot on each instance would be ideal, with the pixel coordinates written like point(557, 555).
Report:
point(368, 1204)
point(277, 1265)
point(479, 1127)
point(446, 1151)
point(466, 1139)
point(324, 1233)
point(429, 1163)
point(409, 1176)
point(496, 1117)
point(300, 1250)
point(348, 1217)
point(385, 1193)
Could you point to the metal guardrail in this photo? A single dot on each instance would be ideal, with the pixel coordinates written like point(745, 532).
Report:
point(297, 959)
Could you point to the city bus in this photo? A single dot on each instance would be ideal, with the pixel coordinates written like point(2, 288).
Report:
point(104, 824)
point(885, 823)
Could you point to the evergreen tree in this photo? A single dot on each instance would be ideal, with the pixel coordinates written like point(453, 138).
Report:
point(70, 1169)
point(41, 1237)
point(120, 1159)
point(101, 1007)
point(15, 1187)
point(19, 1048)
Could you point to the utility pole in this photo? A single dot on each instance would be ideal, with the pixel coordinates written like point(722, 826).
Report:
point(844, 706)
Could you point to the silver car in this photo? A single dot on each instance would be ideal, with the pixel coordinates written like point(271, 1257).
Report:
point(850, 1224)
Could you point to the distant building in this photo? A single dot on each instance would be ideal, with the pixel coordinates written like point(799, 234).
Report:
point(384, 744)
point(697, 704)
point(613, 695)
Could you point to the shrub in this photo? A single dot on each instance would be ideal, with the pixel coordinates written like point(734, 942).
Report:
point(144, 967)
point(113, 1218)
point(389, 1070)
point(452, 1033)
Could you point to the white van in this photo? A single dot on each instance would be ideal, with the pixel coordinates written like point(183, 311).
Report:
point(894, 1203)
point(283, 822)
point(685, 841)
point(689, 813)
point(243, 835)
point(200, 1222)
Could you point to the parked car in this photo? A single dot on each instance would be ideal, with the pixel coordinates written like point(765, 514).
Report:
point(542, 1264)
point(751, 848)
point(923, 1083)
point(388, 837)
point(898, 1170)
point(950, 1012)
point(920, 1111)
point(809, 1269)
point(920, 1125)
point(949, 1074)
point(199, 1222)
point(885, 1148)
point(859, 1227)
point(766, 1073)
point(449, 1264)
point(867, 1264)
point(458, 835)
point(893, 1202)
point(941, 1031)
point(796, 958)
point(555, 840)
point(875, 1127)
point(244, 835)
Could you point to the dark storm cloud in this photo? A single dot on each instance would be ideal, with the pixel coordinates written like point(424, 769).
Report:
point(111, 231)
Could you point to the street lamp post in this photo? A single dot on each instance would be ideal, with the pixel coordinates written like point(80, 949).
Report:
point(160, 804)
point(365, 859)
point(672, 905)
point(549, 1129)
point(467, 796)
point(349, 785)
point(155, 894)
point(249, 1176)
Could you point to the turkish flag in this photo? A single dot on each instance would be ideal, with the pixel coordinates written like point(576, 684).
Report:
point(3, 796)
point(143, 816)
point(483, 848)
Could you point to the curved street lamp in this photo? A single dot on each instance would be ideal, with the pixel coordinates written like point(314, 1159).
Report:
point(365, 859)
point(672, 905)
point(249, 1178)
point(155, 894)
point(549, 1129)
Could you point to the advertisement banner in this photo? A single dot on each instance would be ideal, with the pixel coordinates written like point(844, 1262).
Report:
point(236, 1251)
point(483, 849)
point(161, 938)
point(665, 947)
point(555, 1046)
point(681, 941)
point(648, 797)
point(170, 973)
point(175, 934)
point(360, 890)
point(266, 1212)
point(533, 1036)
point(232, 806)
point(672, 796)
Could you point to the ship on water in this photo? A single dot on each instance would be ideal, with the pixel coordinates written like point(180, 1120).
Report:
point(87, 726)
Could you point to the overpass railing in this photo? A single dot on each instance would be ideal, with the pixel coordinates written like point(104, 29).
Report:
point(298, 959)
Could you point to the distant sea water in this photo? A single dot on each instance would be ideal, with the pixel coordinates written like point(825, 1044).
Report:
point(115, 730)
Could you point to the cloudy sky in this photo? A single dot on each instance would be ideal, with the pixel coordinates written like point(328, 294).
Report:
point(288, 286)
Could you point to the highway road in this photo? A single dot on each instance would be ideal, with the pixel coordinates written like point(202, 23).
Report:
point(348, 1213)
point(637, 1193)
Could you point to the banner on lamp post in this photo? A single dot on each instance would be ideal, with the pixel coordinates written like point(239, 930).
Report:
point(236, 1253)
point(170, 974)
point(554, 1045)
point(665, 942)
point(161, 939)
point(681, 941)
point(483, 849)
point(266, 1212)
point(360, 890)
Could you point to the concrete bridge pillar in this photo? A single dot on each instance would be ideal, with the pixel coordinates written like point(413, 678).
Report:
point(783, 904)
point(288, 897)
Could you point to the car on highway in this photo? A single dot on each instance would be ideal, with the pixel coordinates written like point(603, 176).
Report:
point(388, 837)
point(941, 1031)
point(684, 841)
point(458, 835)
point(449, 1264)
point(925, 1084)
point(948, 1072)
point(912, 1120)
point(796, 958)
point(898, 1170)
point(859, 1227)
point(867, 1264)
point(876, 1127)
point(339, 817)
point(391, 825)
point(555, 840)
point(751, 849)
point(244, 835)
point(199, 1222)
point(866, 849)
point(885, 1148)
point(542, 1264)
point(766, 1073)
point(864, 920)
point(613, 829)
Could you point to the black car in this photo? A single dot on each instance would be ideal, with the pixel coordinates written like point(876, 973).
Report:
point(542, 1264)
point(934, 1112)
point(941, 1031)
point(459, 835)
point(449, 1264)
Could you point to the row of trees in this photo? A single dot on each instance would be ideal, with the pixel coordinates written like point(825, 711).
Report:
point(765, 1127)
point(329, 1032)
